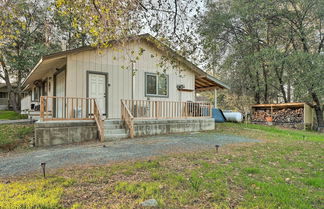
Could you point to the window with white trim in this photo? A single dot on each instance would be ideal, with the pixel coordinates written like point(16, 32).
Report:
point(156, 85)
point(36, 94)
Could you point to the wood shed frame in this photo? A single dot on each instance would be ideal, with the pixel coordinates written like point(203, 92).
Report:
point(308, 118)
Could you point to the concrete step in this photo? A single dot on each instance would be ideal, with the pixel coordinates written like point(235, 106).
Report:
point(113, 121)
point(115, 131)
point(109, 137)
point(112, 126)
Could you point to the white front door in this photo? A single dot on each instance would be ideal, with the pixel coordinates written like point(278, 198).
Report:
point(97, 90)
point(60, 92)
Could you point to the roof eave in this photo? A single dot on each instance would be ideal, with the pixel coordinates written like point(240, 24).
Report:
point(218, 81)
point(182, 59)
point(31, 72)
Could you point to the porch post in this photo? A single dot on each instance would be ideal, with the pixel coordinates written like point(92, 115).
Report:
point(215, 98)
point(41, 108)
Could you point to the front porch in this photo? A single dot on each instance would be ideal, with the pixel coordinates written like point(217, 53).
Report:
point(147, 110)
point(138, 118)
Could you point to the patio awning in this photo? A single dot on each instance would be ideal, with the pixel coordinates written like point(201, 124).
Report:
point(208, 82)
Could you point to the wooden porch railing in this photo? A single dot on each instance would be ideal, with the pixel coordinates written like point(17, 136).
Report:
point(128, 118)
point(71, 108)
point(147, 109)
point(99, 122)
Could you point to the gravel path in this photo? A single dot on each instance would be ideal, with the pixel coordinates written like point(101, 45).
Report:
point(96, 154)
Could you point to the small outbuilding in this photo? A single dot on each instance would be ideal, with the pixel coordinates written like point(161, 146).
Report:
point(290, 115)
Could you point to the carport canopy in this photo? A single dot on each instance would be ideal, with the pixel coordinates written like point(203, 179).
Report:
point(208, 83)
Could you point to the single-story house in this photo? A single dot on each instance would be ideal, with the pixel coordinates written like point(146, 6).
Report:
point(4, 97)
point(137, 86)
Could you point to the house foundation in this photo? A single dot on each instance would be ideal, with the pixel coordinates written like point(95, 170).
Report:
point(144, 127)
point(50, 133)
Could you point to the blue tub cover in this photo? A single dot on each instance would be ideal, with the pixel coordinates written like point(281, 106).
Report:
point(218, 115)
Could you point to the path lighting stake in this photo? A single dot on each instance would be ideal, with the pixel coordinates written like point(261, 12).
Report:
point(217, 146)
point(43, 167)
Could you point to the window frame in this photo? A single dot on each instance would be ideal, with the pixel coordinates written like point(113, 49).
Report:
point(4, 93)
point(38, 96)
point(157, 85)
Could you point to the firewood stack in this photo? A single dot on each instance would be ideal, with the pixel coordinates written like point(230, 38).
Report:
point(287, 115)
point(260, 116)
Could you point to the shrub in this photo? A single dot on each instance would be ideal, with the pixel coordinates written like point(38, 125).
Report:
point(12, 135)
point(40, 193)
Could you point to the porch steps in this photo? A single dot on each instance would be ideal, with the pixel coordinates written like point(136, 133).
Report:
point(114, 130)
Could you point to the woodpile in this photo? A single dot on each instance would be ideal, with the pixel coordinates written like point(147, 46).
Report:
point(287, 115)
point(260, 116)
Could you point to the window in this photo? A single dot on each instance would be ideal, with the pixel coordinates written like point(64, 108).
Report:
point(156, 85)
point(3, 95)
point(44, 88)
point(36, 94)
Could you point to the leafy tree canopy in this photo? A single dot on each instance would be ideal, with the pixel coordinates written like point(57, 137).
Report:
point(270, 50)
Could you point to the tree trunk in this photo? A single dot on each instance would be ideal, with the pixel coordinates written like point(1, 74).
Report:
point(283, 92)
point(318, 110)
point(265, 78)
point(18, 90)
point(281, 84)
point(319, 116)
point(289, 91)
point(13, 101)
point(11, 92)
point(12, 97)
point(257, 90)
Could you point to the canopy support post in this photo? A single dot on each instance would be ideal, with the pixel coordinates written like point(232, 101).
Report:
point(215, 98)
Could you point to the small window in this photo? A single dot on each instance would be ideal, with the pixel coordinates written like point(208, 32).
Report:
point(3, 95)
point(156, 85)
point(44, 88)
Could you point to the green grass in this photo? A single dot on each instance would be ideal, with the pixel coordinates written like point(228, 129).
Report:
point(272, 132)
point(285, 170)
point(11, 115)
point(13, 135)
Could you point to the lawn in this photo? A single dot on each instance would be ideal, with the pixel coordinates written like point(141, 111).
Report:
point(11, 115)
point(285, 170)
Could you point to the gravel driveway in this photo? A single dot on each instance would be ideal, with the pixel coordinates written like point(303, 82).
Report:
point(96, 154)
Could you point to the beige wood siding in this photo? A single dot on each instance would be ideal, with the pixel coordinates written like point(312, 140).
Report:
point(113, 61)
point(25, 102)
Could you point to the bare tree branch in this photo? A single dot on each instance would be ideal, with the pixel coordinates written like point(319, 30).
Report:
point(96, 8)
point(175, 16)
